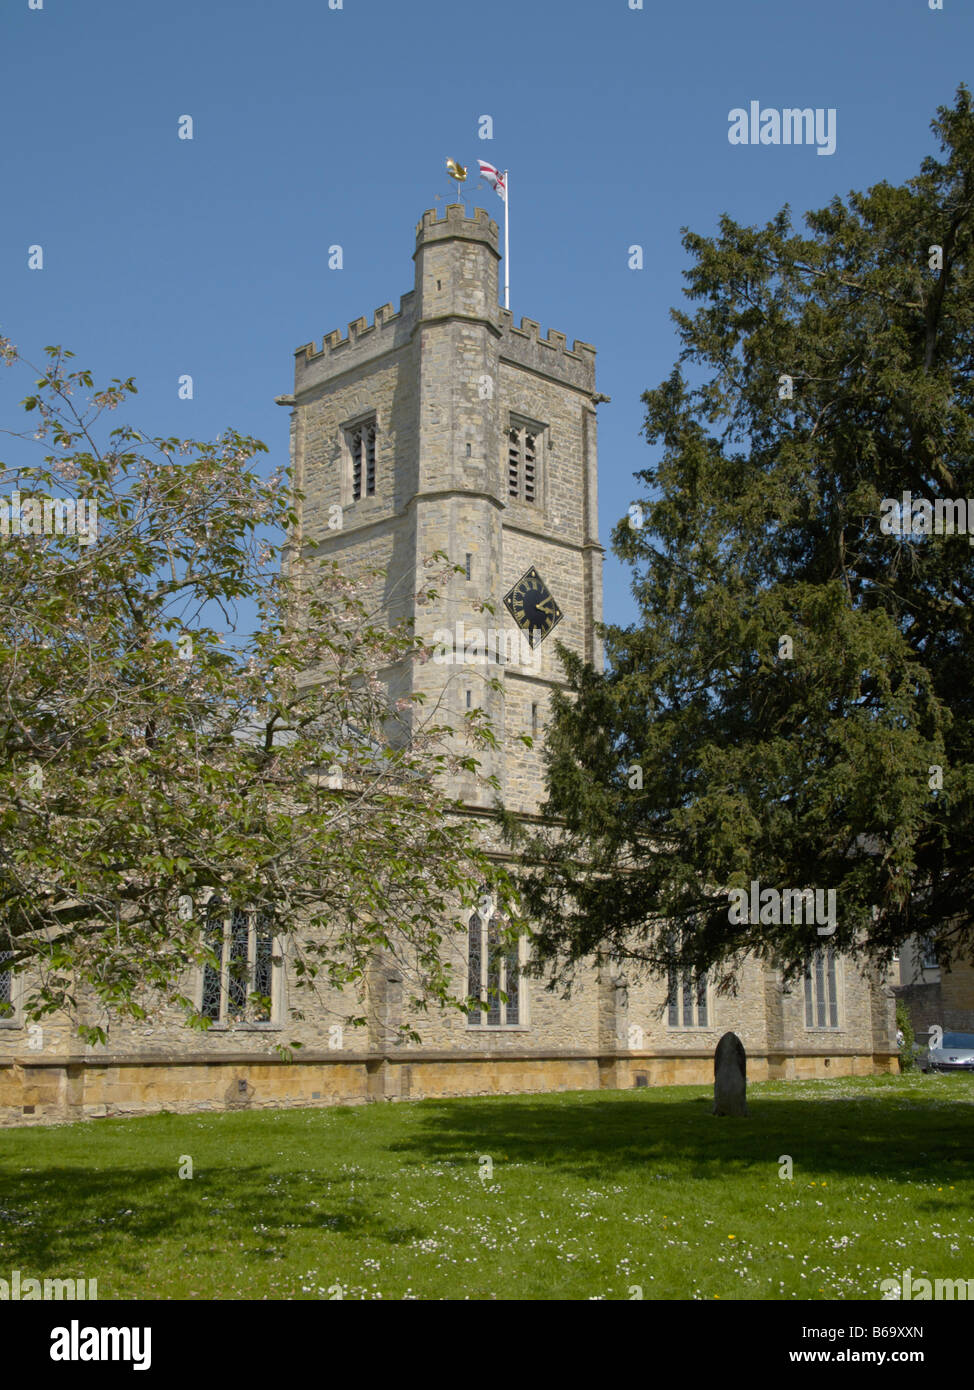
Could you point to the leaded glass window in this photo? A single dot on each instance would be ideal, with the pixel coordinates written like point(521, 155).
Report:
point(263, 964)
point(6, 985)
point(493, 975)
point(493, 969)
point(687, 1001)
point(821, 994)
point(237, 971)
point(702, 1002)
point(474, 957)
point(242, 943)
point(213, 974)
point(512, 985)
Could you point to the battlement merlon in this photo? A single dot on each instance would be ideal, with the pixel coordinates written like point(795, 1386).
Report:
point(550, 356)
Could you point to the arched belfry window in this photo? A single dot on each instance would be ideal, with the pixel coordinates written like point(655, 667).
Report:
point(360, 439)
point(492, 969)
point(524, 454)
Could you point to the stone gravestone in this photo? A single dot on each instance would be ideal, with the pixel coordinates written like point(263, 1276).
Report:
point(730, 1076)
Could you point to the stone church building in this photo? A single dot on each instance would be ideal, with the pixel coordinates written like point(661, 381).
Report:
point(444, 426)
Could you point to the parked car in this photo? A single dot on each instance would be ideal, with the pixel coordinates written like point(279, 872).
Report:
point(955, 1053)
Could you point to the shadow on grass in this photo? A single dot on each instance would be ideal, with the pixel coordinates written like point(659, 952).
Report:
point(610, 1139)
point(65, 1216)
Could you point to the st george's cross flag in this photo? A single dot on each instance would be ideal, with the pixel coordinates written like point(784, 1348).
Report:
point(494, 177)
point(499, 183)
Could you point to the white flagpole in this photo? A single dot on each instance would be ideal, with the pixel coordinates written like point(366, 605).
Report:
point(507, 251)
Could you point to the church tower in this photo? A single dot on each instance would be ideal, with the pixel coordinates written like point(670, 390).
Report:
point(443, 427)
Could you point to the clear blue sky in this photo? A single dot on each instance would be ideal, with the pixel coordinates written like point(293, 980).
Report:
point(316, 126)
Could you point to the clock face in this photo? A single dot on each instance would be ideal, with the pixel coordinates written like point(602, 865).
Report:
point(532, 607)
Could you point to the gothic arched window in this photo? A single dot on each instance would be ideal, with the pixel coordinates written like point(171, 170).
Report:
point(687, 994)
point(821, 992)
point(524, 448)
point(687, 1001)
point(492, 969)
point(360, 455)
point(242, 942)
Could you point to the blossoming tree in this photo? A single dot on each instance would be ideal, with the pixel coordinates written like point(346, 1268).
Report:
point(180, 716)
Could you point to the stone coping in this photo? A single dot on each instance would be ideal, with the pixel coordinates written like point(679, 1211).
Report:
point(402, 1058)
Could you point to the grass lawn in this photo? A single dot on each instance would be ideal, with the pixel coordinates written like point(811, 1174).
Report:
point(591, 1194)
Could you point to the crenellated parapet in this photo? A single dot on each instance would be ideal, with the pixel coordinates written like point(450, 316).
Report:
point(388, 329)
point(456, 225)
point(550, 356)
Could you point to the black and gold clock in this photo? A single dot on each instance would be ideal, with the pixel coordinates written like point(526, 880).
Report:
point(532, 607)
